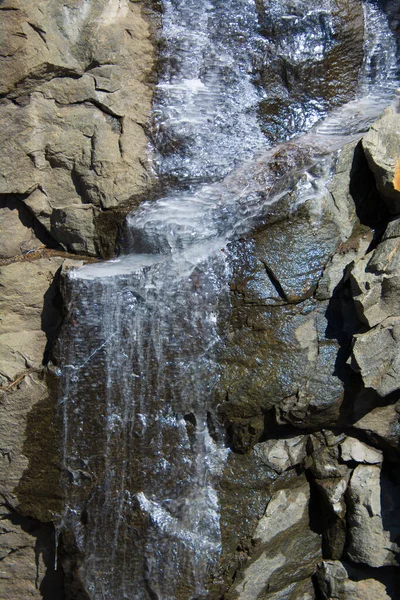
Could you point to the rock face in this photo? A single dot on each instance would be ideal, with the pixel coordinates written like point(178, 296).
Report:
point(310, 371)
point(309, 78)
point(75, 98)
point(310, 386)
point(381, 145)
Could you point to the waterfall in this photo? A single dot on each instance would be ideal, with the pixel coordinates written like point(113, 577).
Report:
point(142, 449)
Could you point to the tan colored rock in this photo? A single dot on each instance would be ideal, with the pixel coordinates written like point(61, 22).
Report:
point(381, 146)
point(25, 548)
point(76, 139)
point(73, 226)
point(16, 238)
point(23, 287)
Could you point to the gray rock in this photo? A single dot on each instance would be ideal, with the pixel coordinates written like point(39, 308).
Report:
point(334, 489)
point(299, 590)
point(376, 356)
point(352, 450)
point(335, 584)
point(392, 230)
point(375, 280)
point(382, 424)
point(370, 542)
point(352, 251)
point(283, 454)
point(282, 534)
point(381, 146)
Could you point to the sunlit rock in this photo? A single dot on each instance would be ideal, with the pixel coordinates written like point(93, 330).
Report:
point(283, 454)
point(352, 450)
point(381, 145)
point(282, 533)
point(375, 355)
point(335, 583)
point(372, 525)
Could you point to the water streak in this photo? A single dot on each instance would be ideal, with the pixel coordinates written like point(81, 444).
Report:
point(142, 447)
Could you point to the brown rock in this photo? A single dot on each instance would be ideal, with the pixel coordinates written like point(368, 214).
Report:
point(80, 81)
point(381, 145)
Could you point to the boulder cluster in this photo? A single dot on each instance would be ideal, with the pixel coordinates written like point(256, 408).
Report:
point(310, 389)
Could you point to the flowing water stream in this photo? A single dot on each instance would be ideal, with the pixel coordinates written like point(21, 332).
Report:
point(142, 449)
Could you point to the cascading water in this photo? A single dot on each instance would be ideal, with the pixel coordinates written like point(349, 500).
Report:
point(142, 450)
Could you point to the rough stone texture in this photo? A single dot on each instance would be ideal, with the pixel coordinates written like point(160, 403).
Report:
point(278, 354)
point(376, 356)
point(19, 238)
point(352, 450)
point(300, 590)
point(27, 555)
point(284, 454)
point(291, 332)
point(29, 440)
point(381, 145)
point(29, 316)
point(283, 532)
point(76, 95)
point(382, 424)
point(375, 282)
point(335, 584)
point(370, 530)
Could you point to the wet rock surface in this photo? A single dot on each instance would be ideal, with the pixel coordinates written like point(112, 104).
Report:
point(75, 96)
point(310, 377)
point(329, 413)
point(302, 58)
point(382, 151)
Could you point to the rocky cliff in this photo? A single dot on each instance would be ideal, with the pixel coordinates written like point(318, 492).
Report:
point(310, 386)
point(75, 96)
point(310, 390)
